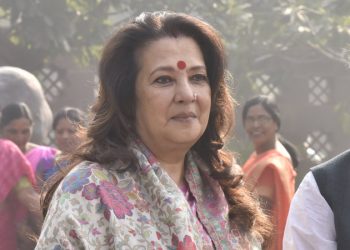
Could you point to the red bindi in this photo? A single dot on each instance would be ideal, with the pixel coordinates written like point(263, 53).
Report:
point(181, 64)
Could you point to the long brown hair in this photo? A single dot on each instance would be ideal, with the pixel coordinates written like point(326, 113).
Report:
point(113, 120)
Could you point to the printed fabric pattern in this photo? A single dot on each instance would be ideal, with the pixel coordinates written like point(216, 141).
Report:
point(141, 208)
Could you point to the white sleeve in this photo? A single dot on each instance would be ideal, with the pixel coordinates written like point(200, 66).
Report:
point(310, 222)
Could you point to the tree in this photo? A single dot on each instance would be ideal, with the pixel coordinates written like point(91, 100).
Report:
point(257, 28)
point(35, 32)
point(48, 28)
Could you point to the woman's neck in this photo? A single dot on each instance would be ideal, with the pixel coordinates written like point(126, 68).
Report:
point(172, 160)
point(29, 146)
point(176, 171)
point(267, 146)
point(174, 164)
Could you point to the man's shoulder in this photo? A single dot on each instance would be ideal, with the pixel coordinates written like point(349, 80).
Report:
point(341, 161)
point(332, 178)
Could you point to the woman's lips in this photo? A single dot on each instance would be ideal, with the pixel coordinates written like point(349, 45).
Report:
point(184, 116)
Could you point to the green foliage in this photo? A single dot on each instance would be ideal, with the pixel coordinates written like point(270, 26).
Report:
point(75, 27)
point(252, 29)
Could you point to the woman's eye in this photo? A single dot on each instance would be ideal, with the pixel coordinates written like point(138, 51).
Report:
point(163, 80)
point(200, 78)
point(71, 131)
point(59, 132)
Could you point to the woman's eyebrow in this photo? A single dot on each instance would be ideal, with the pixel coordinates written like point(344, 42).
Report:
point(162, 68)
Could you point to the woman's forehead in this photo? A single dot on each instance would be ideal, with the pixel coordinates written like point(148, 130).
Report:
point(169, 51)
point(257, 109)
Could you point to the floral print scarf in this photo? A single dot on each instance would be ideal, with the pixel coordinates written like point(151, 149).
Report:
point(96, 207)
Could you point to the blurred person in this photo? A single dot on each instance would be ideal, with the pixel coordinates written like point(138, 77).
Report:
point(269, 170)
point(319, 213)
point(19, 85)
point(16, 124)
point(17, 199)
point(151, 172)
point(65, 126)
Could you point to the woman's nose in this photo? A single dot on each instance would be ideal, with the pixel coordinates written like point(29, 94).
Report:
point(256, 123)
point(65, 134)
point(184, 91)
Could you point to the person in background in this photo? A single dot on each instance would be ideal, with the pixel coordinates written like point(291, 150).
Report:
point(269, 170)
point(151, 172)
point(65, 126)
point(16, 124)
point(19, 85)
point(319, 213)
point(17, 199)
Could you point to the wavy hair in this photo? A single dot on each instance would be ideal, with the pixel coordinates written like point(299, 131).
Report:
point(113, 115)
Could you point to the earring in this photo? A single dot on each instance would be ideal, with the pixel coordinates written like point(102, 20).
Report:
point(195, 96)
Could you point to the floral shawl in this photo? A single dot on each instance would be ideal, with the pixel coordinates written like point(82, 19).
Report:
point(141, 208)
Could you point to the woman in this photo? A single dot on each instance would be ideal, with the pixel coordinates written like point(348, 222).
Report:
point(269, 170)
point(16, 124)
point(17, 197)
point(65, 125)
point(151, 172)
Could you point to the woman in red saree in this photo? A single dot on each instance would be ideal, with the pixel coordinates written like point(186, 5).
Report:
point(17, 195)
point(269, 170)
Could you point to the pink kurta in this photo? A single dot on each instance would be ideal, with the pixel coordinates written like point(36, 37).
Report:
point(42, 160)
point(13, 167)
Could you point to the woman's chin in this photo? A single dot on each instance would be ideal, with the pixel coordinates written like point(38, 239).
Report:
point(186, 139)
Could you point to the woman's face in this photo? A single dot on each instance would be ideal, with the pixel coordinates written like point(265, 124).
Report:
point(173, 96)
point(66, 138)
point(260, 126)
point(19, 131)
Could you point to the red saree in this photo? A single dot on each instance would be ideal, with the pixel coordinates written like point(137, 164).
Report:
point(274, 170)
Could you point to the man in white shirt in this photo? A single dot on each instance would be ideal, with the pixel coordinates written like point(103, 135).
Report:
point(310, 222)
point(319, 216)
